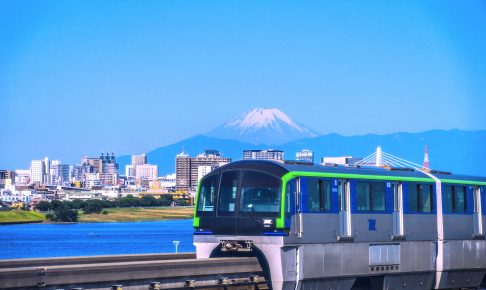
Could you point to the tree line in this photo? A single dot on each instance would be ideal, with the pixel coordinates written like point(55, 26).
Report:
point(67, 211)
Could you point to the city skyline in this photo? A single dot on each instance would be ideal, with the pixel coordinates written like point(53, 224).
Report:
point(77, 77)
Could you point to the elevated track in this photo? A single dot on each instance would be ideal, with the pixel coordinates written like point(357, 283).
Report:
point(150, 271)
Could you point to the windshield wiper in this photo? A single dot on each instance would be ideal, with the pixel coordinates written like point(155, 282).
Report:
point(250, 213)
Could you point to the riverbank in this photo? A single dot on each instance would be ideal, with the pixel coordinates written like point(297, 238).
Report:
point(20, 216)
point(129, 214)
point(136, 214)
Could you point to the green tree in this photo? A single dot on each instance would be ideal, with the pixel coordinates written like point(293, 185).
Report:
point(148, 200)
point(43, 206)
point(55, 204)
point(78, 204)
point(93, 206)
point(64, 214)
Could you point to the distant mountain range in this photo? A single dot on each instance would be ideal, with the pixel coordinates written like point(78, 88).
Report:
point(455, 150)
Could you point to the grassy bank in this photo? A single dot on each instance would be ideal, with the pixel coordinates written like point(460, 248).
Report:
point(133, 214)
point(20, 216)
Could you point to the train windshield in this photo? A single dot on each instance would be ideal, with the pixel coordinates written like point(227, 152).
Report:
point(239, 192)
point(260, 192)
point(207, 194)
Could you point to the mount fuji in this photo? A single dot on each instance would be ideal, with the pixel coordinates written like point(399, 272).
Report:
point(263, 126)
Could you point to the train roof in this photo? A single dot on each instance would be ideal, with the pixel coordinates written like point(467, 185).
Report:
point(280, 168)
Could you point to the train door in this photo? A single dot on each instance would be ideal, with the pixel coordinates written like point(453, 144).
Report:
point(227, 202)
point(397, 189)
point(344, 191)
point(477, 215)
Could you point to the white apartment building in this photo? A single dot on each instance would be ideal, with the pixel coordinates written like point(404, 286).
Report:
point(147, 172)
point(22, 176)
point(37, 171)
point(202, 170)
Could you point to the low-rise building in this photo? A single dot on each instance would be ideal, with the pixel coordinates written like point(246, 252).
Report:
point(305, 155)
point(270, 154)
point(341, 160)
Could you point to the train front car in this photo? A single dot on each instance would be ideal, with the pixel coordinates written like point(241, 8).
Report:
point(339, 227)
point(238, 212)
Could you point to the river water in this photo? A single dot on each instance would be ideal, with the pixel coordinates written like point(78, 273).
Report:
point(89, 239)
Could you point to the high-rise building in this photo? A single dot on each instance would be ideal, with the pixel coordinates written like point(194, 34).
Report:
point(139, 159)
point(110, 169)
point(47, 171)
point(305, 155)
point(63, 173)
point(187, 168)
point(147, 172)
point(131, 170)
point(105, 168)
point(97, 163)
point(202, 170)
point(37, 171)
point(80, 172)
point(54, 172)
point(7, 178)
point(183, 171)
point(269, 154)
point(22, 176)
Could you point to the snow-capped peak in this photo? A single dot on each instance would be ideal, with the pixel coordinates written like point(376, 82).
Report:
point(263, 126)
point(263, 118)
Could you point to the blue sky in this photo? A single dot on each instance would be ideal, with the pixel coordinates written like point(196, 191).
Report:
point(129, 76)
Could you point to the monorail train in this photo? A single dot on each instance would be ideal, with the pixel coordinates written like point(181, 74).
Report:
point(339, 227)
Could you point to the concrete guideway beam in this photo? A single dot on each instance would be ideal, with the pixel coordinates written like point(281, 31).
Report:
point(15, 263)
point(102, 275)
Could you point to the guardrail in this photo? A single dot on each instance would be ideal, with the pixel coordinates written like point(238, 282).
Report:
point(173, 271)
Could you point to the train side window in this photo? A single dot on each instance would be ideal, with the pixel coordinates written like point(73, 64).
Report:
point(448, 197)
point(413, 197)
point(319, 195)
point(207, 193)
point(420, 197)
point(460, 199)
point(227, 192)
point(425, 198)
point(455, 198)
point(371, 196)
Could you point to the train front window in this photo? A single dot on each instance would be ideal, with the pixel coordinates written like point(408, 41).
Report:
point(260, 192)
point(207, 194)
point(228, 191)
